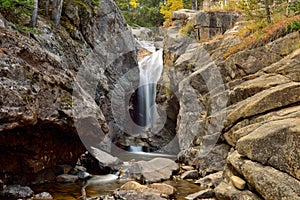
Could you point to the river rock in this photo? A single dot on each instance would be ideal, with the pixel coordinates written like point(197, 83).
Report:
point(106, 160)
point(203, 194)
point(17, 191)
point(191, 174)
point(66, 178)
point(211, 180)
point(83, 175)
point(43, 195)
point(133, 185)
point(132, 195)
point(186, 167)
point(163, 188)
point(155, 170)
point(144, 192)
point(225, 191)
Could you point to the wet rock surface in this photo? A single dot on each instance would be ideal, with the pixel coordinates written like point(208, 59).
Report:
point(17, 191)
point(43, 195)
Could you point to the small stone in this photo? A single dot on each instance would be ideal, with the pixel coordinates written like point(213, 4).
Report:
point(208, 193)
point(238, 182)
point(187, 167)
point(133, 185)
point(163, 188)
point(84, 175)
point(17, 191)
point(66, 178)
point(192, 174)
point(211, 180)
point(43, 195)
point(80, 168)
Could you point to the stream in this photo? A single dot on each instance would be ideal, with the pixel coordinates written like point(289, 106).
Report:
point(105, 184)
point(146, 116)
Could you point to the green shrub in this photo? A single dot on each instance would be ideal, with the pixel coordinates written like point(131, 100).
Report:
point(95, 2)
point(19, 7)
point(187, 29)
point(294, 26)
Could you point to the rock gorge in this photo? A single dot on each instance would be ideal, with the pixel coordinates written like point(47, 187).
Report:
point(238, 116)
point(38, 72)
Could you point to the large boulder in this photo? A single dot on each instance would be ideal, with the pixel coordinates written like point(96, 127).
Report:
point(214, 161)
point(267, 181)
point(280, 140)
point(210, 24)
point(107, 162)
point(155, 170)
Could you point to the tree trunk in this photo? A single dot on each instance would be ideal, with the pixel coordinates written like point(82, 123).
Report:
point(268, 11)
point(56, 11)
point(47, 7)
point(34, 14)
point(195, 5)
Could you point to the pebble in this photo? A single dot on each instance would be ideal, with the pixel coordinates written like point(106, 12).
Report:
point(238, 182)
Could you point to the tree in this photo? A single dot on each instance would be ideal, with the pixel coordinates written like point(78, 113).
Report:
point(34, 14)
point(195, 4)
point(268, 13)
point(256, 9)
point(47, 7)
point(56, 11)
point(141, 12)
point(170, 6)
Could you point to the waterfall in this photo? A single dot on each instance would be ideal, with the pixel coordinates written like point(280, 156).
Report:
point(135, 149)
point(150, 69)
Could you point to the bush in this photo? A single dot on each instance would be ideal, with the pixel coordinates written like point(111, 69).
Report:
point(19, 7)
point(187, 29)
point(294, 26)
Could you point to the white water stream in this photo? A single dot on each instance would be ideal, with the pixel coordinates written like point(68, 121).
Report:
point(150, 71)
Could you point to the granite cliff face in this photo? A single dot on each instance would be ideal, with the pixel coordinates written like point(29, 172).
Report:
point(238, 114)
point(38, 74)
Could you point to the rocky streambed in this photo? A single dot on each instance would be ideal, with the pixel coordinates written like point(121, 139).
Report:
point(158, 178)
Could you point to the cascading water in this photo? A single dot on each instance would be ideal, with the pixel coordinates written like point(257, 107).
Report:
point(150, 71)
